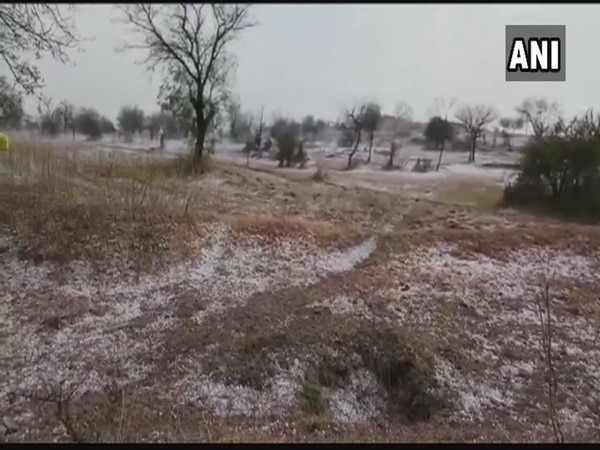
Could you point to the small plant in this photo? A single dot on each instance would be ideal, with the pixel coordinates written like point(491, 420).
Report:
point(546, 339)
point(313, 401)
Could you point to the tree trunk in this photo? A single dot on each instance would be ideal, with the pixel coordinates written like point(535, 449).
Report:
point(392, 153)
point(354, 149)
point(201, 126)
point(372, 135)
point(472, 150)
point(439, 163)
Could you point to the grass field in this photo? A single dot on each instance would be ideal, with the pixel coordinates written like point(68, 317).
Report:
point(141, 303)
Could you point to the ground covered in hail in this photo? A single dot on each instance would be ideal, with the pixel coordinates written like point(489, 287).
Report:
point(141, 304)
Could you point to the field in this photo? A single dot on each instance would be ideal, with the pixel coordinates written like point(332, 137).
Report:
point(141, 303)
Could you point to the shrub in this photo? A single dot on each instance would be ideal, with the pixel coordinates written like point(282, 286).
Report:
point(286, 142)
point(301, 157)
point(89, 122)
point(560, 171)
point(438, 131)
point(286, 134)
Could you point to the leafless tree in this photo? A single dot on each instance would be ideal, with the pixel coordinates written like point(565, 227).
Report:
point(34, 29)
point(540, 113)
point(474, 119)
point(442, 107)
point(189, 41)
point(355, 121)
point(50, 118)
point(510, 125)
point(403, 112)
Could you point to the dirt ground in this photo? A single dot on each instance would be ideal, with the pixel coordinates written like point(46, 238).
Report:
point(139, 303)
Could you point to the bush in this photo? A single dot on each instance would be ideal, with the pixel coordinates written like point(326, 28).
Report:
point(50, 125)
point(89, 122)
point(561, 172)
point(286, 142)
point(301, 157)
point(286, 134)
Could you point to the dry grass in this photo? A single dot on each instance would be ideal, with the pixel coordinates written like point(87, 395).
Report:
point(105, 209)
point(483, 197)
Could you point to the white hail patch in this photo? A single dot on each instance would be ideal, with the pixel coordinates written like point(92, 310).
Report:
point(503, 296)
point(224, 275)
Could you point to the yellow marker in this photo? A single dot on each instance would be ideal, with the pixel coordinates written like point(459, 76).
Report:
point(4, 142)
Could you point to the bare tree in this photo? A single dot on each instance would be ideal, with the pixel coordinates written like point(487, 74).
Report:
point(403, 112)
point(189, 42)
point(38, 29)
point(540, 113)
point(442, 107)
point(355, 121)
point(50, 118)
point(474, 119)
point(510, 126)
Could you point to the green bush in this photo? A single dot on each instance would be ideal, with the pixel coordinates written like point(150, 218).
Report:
point(286, 134)
point(286, 142)
point(560, 171)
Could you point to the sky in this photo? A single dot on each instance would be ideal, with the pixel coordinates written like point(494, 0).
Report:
point(316, 59)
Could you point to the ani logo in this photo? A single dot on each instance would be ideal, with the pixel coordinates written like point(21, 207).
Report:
point(535, 53)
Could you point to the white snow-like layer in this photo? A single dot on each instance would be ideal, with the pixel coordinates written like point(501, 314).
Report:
point(473, 396)
point(234, 400)
point(223, 275)
point(360, 401)
point(344, 304)
point(499, 300)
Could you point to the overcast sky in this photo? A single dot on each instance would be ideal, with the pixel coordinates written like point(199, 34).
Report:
point(315, 59)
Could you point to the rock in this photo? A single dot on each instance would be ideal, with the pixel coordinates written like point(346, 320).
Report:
point(3, 431)
point(10, 425)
